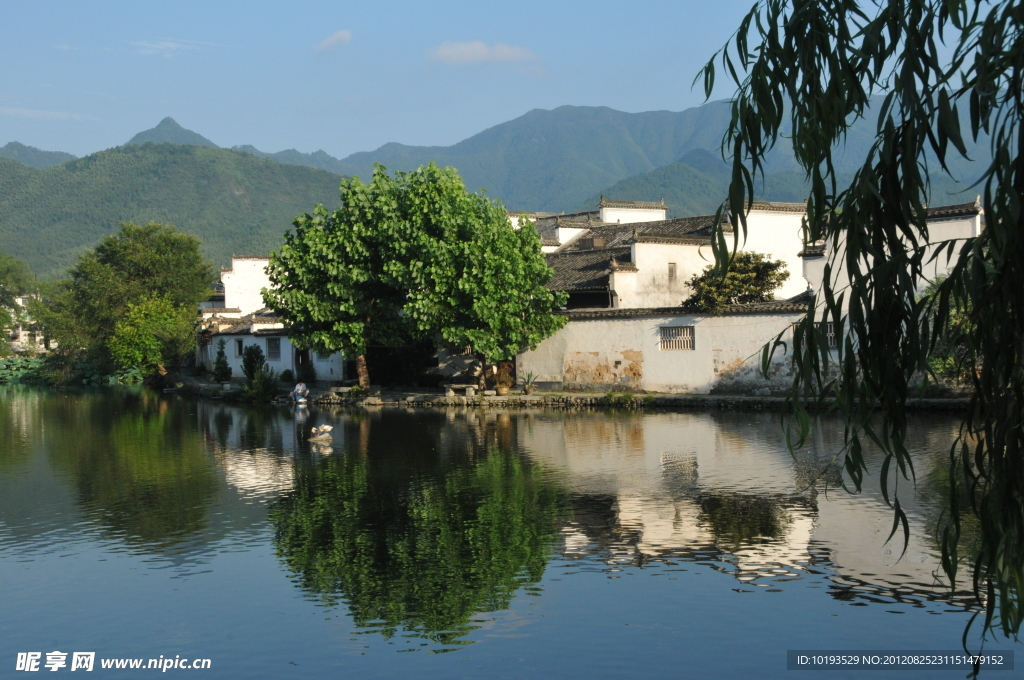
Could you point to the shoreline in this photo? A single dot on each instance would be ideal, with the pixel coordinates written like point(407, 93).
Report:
point(610, 401)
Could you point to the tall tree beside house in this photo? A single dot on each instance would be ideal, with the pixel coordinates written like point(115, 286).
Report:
point(751, 278)
point(807, 70)
point(411, 256)
point(15, 281)
point(131, 278)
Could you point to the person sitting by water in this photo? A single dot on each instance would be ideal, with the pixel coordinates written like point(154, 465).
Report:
point(300, 391)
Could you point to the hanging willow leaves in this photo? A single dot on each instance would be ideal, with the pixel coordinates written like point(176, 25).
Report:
point(808, 69)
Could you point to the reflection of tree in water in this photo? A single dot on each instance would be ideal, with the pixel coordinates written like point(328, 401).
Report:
point(223, 421)
point(138, 463)
point(18, 418)
point(424, 554)
point(737, 520)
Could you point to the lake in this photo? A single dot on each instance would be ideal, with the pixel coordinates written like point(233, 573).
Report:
point(451, 544)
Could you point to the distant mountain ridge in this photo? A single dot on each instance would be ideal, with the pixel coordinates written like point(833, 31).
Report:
point(699, 182)
point(234, 202)
point(33, 157)
point(168, 131)
point(53, 206)
point(555, 160)
point(318, 159)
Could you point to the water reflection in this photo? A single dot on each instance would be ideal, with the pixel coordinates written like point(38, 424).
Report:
point(417, 538)
point(140, 468)
point(417, 523)
point(722, 490)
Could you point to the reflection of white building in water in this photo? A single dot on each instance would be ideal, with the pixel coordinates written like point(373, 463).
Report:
point(661, 476)
point(255, 449)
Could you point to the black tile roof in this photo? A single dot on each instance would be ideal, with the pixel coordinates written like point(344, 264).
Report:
point(584, 269)
point(778, 307)
point(679, 230)
point(959, 210)
point(244, 325)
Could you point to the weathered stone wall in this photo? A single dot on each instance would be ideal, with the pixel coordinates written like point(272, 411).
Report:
point(625, 354)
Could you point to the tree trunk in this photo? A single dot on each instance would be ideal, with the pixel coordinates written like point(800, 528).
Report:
point(362, 372)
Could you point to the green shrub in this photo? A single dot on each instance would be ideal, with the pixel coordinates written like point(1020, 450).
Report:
point(221, 369)
point(252, 360)
point(263, 386)
point(287, 376)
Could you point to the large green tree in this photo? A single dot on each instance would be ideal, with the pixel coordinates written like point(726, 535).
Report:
point(808, 69)
point(409, 256)
point(114, 289)
point(15, 281)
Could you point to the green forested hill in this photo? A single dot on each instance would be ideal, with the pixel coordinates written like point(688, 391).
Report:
point(168, 131)
point(30, 155)
point(699, 182)
point(234, 202)
point(555, 160)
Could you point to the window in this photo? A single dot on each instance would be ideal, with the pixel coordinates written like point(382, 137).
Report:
point(671, 271)
point(273, 349)
point(323, 356)
point(830, 332)
point(677, 337)
point(238, 347)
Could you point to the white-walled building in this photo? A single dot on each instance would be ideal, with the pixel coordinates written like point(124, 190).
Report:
point(242, 320)
point(668, 349)
point(642, 264)
point(627, 328)
point(946, 223)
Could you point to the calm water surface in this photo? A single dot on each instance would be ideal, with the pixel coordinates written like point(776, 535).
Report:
point(451, 544)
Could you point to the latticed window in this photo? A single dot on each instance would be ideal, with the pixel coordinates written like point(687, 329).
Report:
point(273, 349)
point(677, 337)
point(830, 332)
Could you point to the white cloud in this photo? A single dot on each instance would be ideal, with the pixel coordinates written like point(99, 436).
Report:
point(339, 38)
point(477, 52)
point(165, 47)
point(38, 114)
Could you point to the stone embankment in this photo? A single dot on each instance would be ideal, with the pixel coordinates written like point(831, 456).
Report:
point(580, 400)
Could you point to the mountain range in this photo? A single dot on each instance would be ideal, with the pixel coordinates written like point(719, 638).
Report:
point(240, 200)
point(234, 202)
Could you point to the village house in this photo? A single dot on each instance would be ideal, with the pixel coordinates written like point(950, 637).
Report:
point(236, 314)
point(625, 268)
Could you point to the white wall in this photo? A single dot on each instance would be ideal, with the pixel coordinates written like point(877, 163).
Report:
point(652, 287)
point(631, 215)
point(938, 230)
point(778, 235)
point(243, 282)
point(330, 368)
point(626, 354)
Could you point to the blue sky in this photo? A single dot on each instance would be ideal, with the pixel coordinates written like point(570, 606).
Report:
point(338, 76)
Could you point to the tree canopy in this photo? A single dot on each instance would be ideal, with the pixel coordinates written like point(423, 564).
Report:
point(138, 286)
point(807, 69)
point(15, 280)
point(410, 256)
point(751, 278)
